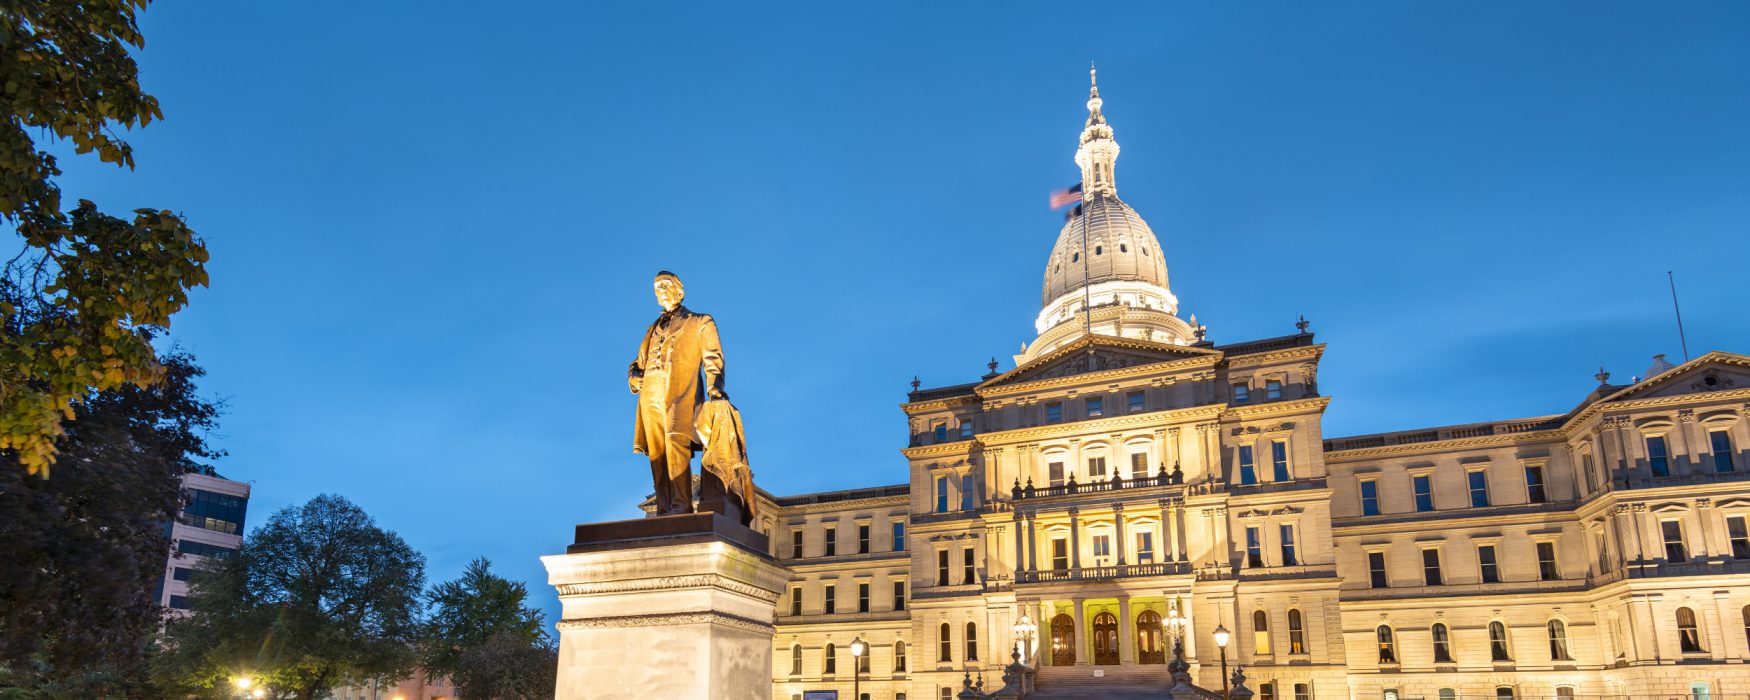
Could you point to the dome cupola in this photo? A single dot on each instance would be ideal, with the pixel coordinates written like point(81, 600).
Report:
point(1106, 258)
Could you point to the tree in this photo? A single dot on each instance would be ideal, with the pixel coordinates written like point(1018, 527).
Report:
point(484, 638)
point(94, 287)
point(316, 598)
point(507, 667)
point(84, 551)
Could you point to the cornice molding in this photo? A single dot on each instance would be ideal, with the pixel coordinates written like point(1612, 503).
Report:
point(1264, 358)
point(684, 618)
point(1252, 411)
point(666, 583)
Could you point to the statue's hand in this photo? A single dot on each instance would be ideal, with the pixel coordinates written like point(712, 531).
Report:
point(716, 392)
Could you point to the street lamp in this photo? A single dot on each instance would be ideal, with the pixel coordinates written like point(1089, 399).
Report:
point(1221, 636)
point(1024, 629)
point(858, 649)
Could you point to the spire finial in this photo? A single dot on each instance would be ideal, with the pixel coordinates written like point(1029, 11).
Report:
point(1602, 376)
point(1094, 101)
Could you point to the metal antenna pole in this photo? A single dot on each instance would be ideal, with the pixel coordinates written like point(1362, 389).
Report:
point(1681, 338)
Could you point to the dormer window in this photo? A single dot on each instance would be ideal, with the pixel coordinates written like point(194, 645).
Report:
point(1241, 393)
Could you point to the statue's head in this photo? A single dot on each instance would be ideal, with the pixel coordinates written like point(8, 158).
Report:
point(669, 290)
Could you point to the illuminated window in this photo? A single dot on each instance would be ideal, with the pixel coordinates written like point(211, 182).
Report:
point(1260, 632)
point(796, 659)
point(1145, 547)
point(1054, 473)
point(1296, 633)
point(898, 657)
point(1138, 465)
point(1388, 653)
point(945, 643)
point(1096, 468)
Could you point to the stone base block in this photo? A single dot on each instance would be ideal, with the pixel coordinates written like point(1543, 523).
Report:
point(667, 607)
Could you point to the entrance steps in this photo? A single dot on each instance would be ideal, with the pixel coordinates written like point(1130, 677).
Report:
point(1115, 682)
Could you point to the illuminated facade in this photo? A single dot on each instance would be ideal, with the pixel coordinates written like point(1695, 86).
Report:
point(1112, 478)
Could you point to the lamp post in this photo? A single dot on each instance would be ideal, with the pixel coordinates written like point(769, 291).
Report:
point(858, 649)
point(1024, 629)
point(242, 684)
point(1221, 636)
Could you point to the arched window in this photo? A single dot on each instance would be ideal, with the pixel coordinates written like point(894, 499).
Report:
point(1122, 248)
point(1388, 653)
point(946, 643)
point(899, 657)
point(1076, 257)
point(1296, 633)
point(1498, 650)
point(1558, 641)
point(1504, 692)
point(1688, 634)
point(1260, 632)
point(971, 641)
point(1442, 643)
point(1448, 694)
point(832, 659)
point(1099, 249)
point(796, 659)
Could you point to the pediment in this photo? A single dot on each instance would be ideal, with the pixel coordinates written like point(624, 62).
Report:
point(1713, 372)
point(1106, 354)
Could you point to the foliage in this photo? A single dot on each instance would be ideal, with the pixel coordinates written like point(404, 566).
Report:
point(94, 287)
point(84, 551)
point(472, 610)
point(318, 597)
point(508, 667)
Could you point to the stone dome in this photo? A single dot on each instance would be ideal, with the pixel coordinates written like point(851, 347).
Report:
point(1120, 247)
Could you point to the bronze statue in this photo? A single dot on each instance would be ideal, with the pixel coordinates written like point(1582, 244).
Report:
point(675, 418)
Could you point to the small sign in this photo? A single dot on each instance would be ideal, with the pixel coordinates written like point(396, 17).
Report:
point(1099, 673)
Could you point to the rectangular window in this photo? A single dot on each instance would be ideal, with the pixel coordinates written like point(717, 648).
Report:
point(941, 431)
point(179, 602)
point(1096, 407)
point(1241, 393)
point(898, 595)
point(796, 601)
point(1289, 558)
point(181, 573)
point(968, 572)
point(1303, 691)
point(1658, 459)
point(1720, 442)
point(941, 567)
point(1267, 689)
point(1279, 460)
point(1060, 554)
point(1479, 488)
point(832, 540)
point(1534, 490)
point(1546, 562)
point(1486, 563)
point(1054, 412)
point(1370, 497)
point(966, 429)
point(968, 492)
point(1136, 401)
point(795, 544)
point(1431, 567)
point(1097, 468)
point(1738, 531)
point(1672, 532)
point(1588, 466)
point(862, 597)
point(1376, 569)
point(1273, 389)
point(830, 602)
point(1423, 486)
point(1054, 473)
point(1254, 548)
point(1145, 546)
point(898, 536)
point(1138, 465)
point(1248, 473)
point(862, 539)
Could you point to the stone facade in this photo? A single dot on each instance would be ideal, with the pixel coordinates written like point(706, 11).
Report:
point(1127, 467)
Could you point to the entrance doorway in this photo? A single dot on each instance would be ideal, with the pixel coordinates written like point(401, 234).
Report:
point(1149, 649)
point(1105, 639)
point(1063, 640)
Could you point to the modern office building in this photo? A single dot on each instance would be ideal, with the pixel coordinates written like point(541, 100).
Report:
point(209, 526)
point(1129, 470)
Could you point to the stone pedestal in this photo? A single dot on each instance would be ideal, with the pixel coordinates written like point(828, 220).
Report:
point(675, 606)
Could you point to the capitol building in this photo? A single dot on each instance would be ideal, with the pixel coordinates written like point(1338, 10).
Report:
point(1129, 472)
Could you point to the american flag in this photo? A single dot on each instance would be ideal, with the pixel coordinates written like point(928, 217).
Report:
point(1066, 197)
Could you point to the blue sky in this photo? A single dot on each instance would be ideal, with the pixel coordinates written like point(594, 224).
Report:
point(434, 224)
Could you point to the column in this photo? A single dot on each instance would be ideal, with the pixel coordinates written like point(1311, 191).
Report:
point(1032, 541)
point(1172, 452)
point(1118, 523)
point(1020, 548)
point(1168, 534)
point(1075, 545)
point(1083, 644)
point(1180, 538)
point(1126, 633)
